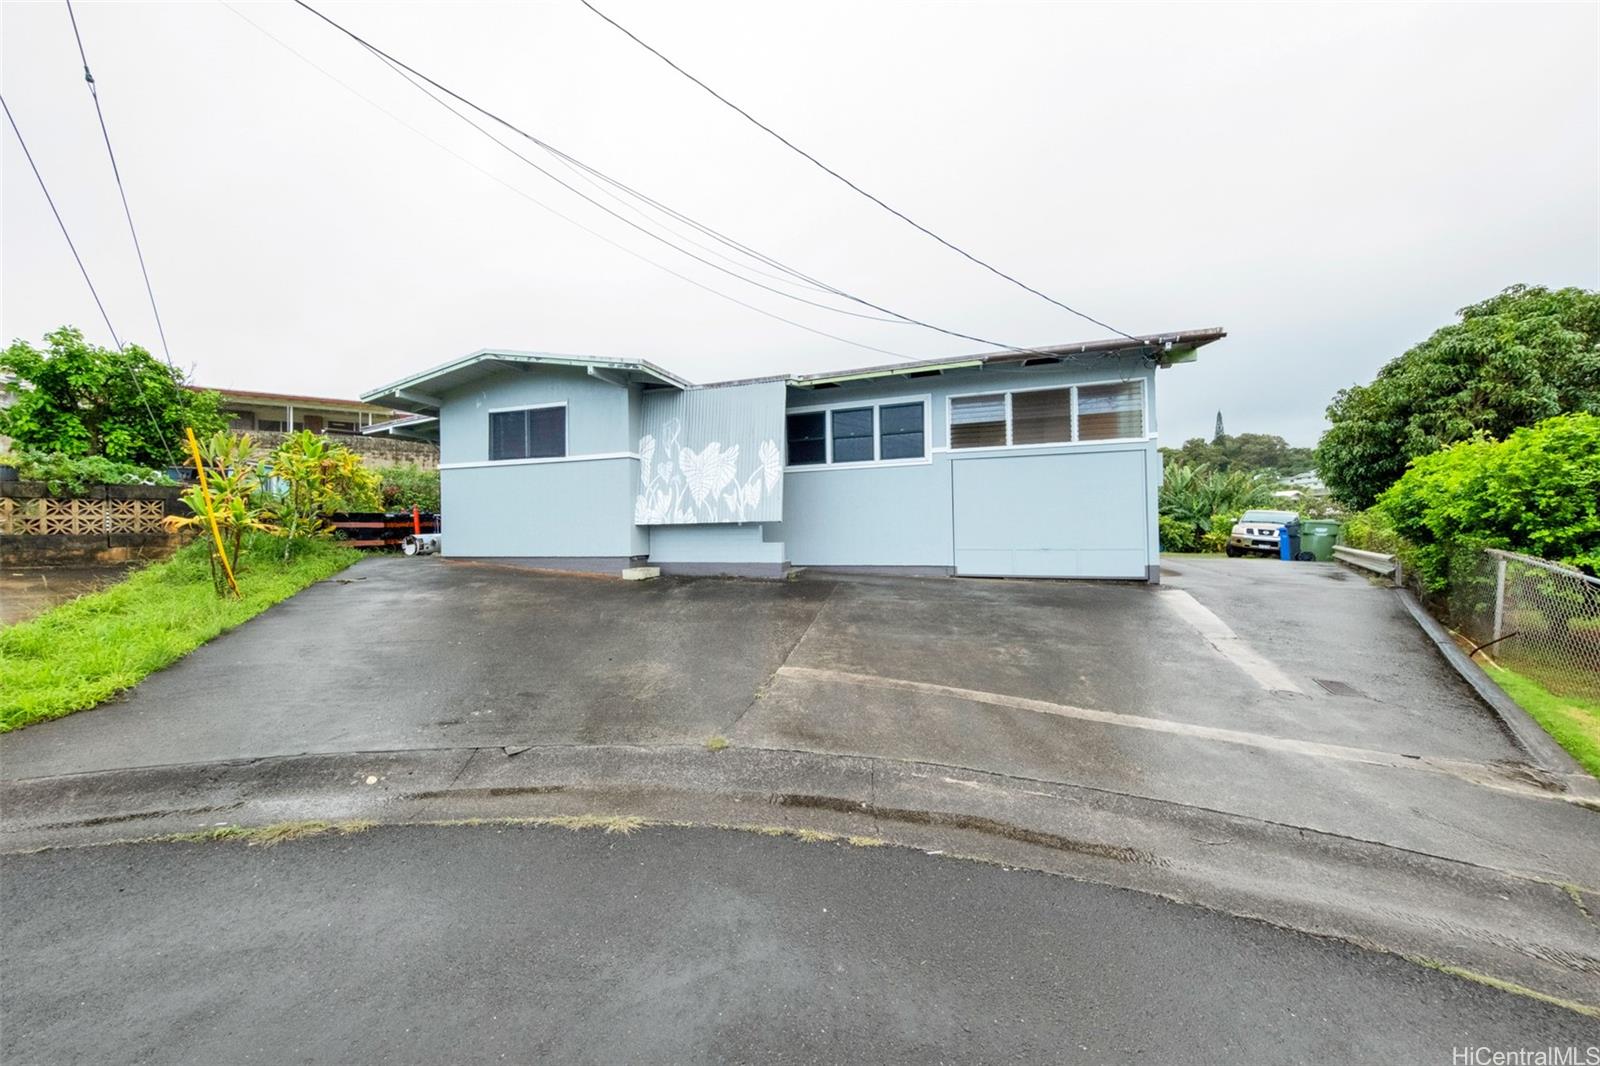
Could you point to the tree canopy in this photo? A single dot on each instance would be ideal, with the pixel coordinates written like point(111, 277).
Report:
point(1244, 452)
point(77, 399)
point(1528, 354)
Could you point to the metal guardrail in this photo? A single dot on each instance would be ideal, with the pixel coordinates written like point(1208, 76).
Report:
point(1373, 562)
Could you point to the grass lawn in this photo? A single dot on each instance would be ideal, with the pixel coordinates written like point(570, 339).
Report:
point(1574, 723)
point(86, 651)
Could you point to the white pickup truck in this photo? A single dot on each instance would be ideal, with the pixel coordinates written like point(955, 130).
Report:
point(1257, 532)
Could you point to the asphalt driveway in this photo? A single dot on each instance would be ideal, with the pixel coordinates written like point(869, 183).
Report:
point(1295, 694)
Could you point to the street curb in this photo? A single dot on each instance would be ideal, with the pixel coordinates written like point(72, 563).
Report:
point(1528, 734)
point(1525, 927)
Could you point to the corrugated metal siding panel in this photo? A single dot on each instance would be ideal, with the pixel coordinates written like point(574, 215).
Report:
point(711, 455)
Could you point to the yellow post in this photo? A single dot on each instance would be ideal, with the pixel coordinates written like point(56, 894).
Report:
point(211, 516)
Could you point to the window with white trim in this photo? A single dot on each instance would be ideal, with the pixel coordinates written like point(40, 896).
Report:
point(978, 421)
point(528, 433)
point(1111, 412)
point(1064, 415)
point(890, 431)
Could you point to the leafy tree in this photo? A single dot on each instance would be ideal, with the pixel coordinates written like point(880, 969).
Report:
point(77, 399)
point(1525, 355)
point(1537, 491)
point(405, 487)
point(1246, 452)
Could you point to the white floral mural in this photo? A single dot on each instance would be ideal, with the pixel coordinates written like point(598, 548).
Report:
point(680, 484)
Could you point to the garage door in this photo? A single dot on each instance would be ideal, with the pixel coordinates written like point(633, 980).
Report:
point(1071, 515)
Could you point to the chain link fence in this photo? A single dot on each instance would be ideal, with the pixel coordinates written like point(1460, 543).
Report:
point(1536, 617)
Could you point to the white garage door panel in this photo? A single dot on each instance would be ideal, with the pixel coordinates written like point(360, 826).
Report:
point(1064, 515)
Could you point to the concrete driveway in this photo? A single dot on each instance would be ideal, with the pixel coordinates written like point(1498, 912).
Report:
point(1297, 695)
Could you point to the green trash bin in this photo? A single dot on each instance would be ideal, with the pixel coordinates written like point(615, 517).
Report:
point(1317, 538)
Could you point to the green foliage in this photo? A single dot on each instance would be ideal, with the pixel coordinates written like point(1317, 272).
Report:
point(1537, 492)
point(1199, 505)
point(1513, 360)
point(80, 653)
point(73, 475)
point(318, 477)
point(1245, 452)
point(1371, 530)
point(1178, 535)
point(232, 483)
point(405, 487)
point(76, 399)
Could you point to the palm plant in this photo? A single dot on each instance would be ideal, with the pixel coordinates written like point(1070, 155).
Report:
point(1206, 500)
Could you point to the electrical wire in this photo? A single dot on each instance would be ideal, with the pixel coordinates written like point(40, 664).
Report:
point(94, 93)
point(829, 170)
point(51, 200)
point(403, 66)
point(540, 203)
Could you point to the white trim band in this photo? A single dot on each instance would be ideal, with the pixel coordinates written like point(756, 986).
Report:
point(591, 457)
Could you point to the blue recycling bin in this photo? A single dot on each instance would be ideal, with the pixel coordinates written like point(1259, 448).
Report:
point(1289, 541)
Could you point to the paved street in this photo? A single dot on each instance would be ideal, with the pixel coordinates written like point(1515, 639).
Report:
point(543, 944)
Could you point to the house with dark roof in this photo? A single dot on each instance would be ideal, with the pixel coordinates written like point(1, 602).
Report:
point(1024, 463)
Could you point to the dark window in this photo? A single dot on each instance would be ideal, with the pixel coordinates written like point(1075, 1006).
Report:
point(900, 431)
point(978, 421)
point(547, 433)
point(536, 434)
point(1042, 416)
point(852, 435)
point(508, 435)
point(808, 443)
point(1110, 412)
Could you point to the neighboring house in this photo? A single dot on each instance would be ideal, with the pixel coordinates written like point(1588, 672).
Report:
point(1036, 464)
point(252, 412)
point(1300, 485)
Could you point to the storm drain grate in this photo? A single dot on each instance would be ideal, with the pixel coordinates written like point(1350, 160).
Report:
point(1339, 688)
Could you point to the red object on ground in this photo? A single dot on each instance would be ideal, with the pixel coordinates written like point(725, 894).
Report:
point(416, 520)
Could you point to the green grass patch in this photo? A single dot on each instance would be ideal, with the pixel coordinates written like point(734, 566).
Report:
point(1574, 723)
point(86, 651)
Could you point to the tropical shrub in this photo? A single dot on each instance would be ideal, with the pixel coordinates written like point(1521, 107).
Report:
point(405, 487)
point(1537, 491)
point(1207, 503)
point(75, 398)
point(314, 477)
point(232, 485)
point(1177, 535)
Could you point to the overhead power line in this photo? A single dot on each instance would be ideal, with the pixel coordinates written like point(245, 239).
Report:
point(407, 68)
point(540, 203)
point(94, 94)
point(59, 222)
point(51, 200)
point(902, 216)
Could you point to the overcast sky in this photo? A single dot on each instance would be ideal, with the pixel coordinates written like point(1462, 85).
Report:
point(1328, 183)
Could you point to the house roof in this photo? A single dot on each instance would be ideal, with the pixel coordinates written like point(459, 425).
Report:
point(416, 393)
point(252, 396)
point(419, 392)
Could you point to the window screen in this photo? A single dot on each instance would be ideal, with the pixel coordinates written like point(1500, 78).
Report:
point(1041, 416)
point(508, 435)
point(978, 421)
point(900, 431)
point(1110, 412)
point(808, 444)
point(547, 433)
point(852, 435)
point(536, 434)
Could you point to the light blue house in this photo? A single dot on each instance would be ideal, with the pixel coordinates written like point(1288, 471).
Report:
point(1039, 464)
